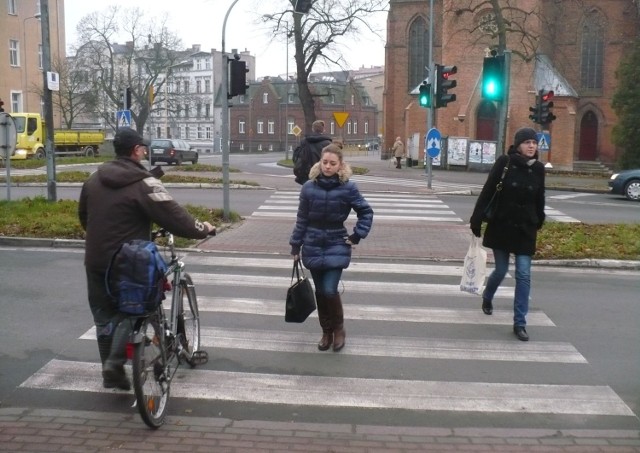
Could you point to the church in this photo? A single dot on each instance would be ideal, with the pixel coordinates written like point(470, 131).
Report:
point(571, 47)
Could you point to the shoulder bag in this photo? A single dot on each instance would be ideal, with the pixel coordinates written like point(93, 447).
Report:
point(489, 212)
point(301, 301)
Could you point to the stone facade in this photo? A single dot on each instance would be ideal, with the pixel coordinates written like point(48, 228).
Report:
point(558, 56)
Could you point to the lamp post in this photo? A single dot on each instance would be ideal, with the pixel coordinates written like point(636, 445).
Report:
point(26, 65)
point(286, 106)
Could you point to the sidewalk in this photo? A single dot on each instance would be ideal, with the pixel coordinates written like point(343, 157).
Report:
point(51, 430)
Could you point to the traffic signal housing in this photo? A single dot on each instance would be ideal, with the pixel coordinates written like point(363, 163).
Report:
point(444, 84)
point(237, 78)
point(493, 78)
point(1, 105)
point(541, 113)
point(424, 98)
point(303, 6)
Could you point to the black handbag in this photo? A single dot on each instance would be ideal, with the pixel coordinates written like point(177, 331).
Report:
point(491, 209)
point(301, 300)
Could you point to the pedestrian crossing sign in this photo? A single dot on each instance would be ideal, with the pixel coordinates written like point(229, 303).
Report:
point(544, 141)
point(123, 118)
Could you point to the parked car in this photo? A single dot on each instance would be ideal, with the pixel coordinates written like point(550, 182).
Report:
point(626, 183)
point(171, 151)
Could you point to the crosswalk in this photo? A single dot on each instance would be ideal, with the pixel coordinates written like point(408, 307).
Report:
point(408, 322)
point(388, 208)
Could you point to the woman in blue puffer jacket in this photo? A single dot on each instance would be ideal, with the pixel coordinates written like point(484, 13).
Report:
point(320, 237)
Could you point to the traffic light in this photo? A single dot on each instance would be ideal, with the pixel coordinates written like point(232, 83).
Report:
point(1, 105)
point(303, 6)
point(125, 99)
point(443, 85)
point(424, 98)
point(540, 112)
point(546, 116)
point(493, 78)
point(237, 78)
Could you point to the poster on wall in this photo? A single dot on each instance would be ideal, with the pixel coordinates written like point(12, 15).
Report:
point(457, 151)
point(475, 152)
point(488, 152)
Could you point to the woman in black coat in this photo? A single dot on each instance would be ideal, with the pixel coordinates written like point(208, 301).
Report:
point(326, 200)
point(513, 229)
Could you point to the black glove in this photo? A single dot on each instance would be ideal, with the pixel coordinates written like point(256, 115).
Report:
point(157, 172)
point(476, 231)
point(354, 238)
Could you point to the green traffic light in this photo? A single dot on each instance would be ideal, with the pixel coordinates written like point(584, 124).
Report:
point(493, 78)
point(424, 98)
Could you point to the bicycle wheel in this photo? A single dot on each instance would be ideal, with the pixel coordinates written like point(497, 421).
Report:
point(189, 319)
point(150, 382)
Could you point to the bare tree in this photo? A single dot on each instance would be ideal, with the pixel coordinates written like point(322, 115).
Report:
point(316, 38)
point(143, 62)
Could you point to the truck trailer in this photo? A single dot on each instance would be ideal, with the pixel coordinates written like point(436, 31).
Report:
point(31, 135)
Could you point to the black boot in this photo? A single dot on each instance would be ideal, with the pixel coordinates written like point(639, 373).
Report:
point(487, 306)
point(324, 316)
point(337, 315)
point(113, 374)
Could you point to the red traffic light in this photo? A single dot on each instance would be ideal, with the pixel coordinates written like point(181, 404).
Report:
point(546, 95)
point(448, 71)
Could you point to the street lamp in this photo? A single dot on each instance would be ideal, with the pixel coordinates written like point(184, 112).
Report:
point(286, 106)
point(26, 66)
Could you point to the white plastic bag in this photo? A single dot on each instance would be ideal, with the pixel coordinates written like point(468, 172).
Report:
point(475, 267)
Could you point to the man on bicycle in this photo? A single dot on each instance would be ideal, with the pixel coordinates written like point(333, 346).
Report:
point(119, 203)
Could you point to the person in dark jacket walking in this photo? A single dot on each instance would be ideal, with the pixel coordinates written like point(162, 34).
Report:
point(320, 237)
point(311, 145)
point(119, 203)
point(513, 229)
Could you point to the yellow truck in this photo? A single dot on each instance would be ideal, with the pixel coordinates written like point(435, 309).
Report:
point(31, 135)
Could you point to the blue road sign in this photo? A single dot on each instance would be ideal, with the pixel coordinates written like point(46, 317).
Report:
point(123, 118)
point(433, 142)
point(544, 141)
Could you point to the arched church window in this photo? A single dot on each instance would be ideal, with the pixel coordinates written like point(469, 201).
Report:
point(592, 53)
point(418, 52)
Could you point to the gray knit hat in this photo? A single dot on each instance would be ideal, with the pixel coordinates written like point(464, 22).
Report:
point(524, 134)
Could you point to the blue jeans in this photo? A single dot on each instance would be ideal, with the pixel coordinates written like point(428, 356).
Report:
point(326, 281)
point(523, 283)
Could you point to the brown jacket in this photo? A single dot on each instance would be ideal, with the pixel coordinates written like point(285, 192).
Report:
point(119, 202)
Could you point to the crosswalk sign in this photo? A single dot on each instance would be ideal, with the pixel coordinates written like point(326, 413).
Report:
point(123, 118)
point(544, 141)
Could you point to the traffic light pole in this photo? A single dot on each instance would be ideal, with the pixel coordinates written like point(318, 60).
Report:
point(225, 120)
point(48, 102)
point(431, 112)
point(503, 107)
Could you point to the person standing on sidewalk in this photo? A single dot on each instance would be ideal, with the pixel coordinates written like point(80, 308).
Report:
point(119, 203)
point(320, 237)
point(513, 229)
point(398, 151)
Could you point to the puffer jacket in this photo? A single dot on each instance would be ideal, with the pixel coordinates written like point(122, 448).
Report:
point(325, 204)
point(520, 213)
point(119, 202)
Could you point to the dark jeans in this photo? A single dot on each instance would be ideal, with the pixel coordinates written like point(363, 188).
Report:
point(326, 281)
point(103, 308)
point(398, 162)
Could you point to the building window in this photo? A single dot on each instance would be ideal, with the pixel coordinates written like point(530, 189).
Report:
point(207, 86)
point(199, 132)
point(185, 84)
point(418, 52)
point(366, 127)
point(198, 86)
point(592, 54)
point(271, 127)
point(241, 147)
point(260, 147)
point(208, 134)
point(207, 64)
point(355, 128)
point(260, 127)
point(241, 99)
point(198, 110)
point(11, 6)
point(14, 52)
point(333, 99)
point(270, 146)
point(198, 64)
point(290, 125)
point(168, 132)
point(207, 110)
point(16, 102)
point(348, 127)
point(353, 100)
point(158, 132)
point(182, 136)
point(186, 110)
point(332, 128)
point(241, 127)
point(265, 98)
point(291, 98)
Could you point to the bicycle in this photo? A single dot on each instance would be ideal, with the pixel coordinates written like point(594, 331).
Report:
point(161, 344)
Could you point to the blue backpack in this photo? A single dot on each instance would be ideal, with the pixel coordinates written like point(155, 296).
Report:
point(135, 277)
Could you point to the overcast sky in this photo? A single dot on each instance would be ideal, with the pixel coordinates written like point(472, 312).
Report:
point(200, 22)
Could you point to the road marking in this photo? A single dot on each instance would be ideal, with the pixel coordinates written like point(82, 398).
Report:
point(305, 390)
point(396, 347)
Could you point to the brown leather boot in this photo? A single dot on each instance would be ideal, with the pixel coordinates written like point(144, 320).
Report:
point(324, 316)
point(339, 334)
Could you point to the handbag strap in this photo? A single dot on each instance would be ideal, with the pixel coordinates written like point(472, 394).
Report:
point(297, 270)
point(504, 172)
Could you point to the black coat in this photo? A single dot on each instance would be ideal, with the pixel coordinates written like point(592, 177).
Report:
point(520, 212)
